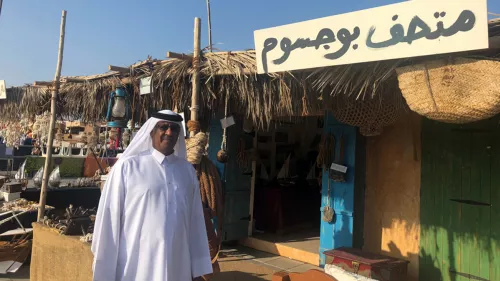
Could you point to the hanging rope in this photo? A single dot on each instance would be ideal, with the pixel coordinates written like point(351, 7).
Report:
point(305, 102)
point(242, 156)
point(224, 134)
point(326, 149)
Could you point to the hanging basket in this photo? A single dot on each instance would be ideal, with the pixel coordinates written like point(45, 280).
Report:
point(453, 91)
point(371, 115)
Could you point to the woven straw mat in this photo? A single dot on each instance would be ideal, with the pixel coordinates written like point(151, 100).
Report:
point(458, 91)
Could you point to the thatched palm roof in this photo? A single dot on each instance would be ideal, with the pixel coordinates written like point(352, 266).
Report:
point(225, 76)
point(25, 100)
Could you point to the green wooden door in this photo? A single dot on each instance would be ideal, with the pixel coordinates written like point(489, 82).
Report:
point(460, 201)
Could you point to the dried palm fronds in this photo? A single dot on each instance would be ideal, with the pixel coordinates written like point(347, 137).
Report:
point(360, 80)
point(87, 100)
point(24, 101)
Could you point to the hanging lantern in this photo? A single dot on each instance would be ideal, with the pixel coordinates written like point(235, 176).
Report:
point(118, 109)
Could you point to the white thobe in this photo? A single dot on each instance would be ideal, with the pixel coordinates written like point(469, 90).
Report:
point(150, 224)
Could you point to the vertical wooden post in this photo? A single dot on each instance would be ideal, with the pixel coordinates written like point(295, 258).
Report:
point(55, 91)
point(209, 20)
point(196, 75)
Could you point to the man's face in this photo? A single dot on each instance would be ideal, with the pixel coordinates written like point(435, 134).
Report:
point(165, 136)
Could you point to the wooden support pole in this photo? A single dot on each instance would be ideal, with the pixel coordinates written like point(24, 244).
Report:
point(124, 70)
point(196, 74)
point(209, 14)
point(55, 90)
point(173, 55)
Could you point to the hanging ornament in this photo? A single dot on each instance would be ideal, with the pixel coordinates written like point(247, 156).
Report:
point(222, 156)
point(327, 211)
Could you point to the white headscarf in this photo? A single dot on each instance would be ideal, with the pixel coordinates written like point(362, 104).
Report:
point(142, 141)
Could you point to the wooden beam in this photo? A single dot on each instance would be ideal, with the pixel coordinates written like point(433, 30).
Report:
point(126, 80)
point(124, 70)
point(173, 55)
point(72, 80)
point(42, 83)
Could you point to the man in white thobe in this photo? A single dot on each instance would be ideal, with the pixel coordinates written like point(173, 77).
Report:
point(150, 224)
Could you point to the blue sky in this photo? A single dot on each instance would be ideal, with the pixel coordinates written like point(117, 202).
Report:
point(122, 32)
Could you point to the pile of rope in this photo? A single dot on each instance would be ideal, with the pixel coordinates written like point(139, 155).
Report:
point(211, 189)
point(195, 147)
point(212, 199)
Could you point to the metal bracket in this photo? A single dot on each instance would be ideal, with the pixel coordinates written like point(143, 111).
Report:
point(355, 267)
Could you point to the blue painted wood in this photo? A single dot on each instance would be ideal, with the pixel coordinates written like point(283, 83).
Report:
point(339, 233)
point(236, 182)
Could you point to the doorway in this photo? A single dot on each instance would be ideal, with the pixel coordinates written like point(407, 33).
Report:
point(287, 189)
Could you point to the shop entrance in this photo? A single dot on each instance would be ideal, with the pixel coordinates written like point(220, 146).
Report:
point(287, 189)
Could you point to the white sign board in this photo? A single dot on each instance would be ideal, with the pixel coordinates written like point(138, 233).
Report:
point(3, 90)
point(227, 122)
point(145, 86)
point(407, 29)
point(338, 168)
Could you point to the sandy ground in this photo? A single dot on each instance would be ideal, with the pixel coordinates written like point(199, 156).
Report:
point(237, 264)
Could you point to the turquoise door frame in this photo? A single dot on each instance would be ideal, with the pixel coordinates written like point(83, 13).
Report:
point(235, 181)
point(341, 232)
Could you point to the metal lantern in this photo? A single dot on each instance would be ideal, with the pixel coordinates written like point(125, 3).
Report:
point(118, 109)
